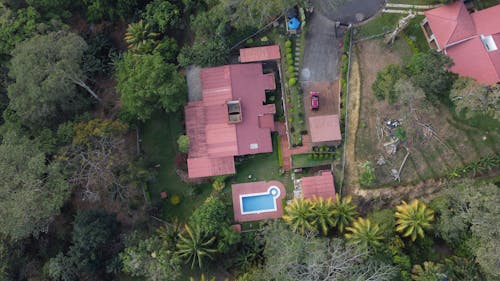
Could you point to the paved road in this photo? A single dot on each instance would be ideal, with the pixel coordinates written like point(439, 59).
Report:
point(321, 54)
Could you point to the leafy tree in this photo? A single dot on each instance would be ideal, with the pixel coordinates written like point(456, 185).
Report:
point(290, 256)
point(210, 53)
point(384, 85)
point(162, 15)
point(98, 10)
point(367, 176)
point(32, 189)
point(429, 71)
point(52, 8)
point(323, 210)
point(195, 246)
point(168, 49)
point(428, 272)
point(151, 258)
point(210, 217)
point(344, 212)
point(299, 215)
point(364, 233)
point(211, 25)
point(474, 208)
point(46, 70)
point(146, 82)
point(62, 268)
point(93, 230)
point(459, 268)
point(413, 219)
point(140, 38)
point(473, 98)
point(16, 26)
point(183, 143)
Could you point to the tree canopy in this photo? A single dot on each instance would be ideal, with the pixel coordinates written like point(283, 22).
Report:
point(46, 70)
point(146, 83)
point(32, 189)
point(472, 98)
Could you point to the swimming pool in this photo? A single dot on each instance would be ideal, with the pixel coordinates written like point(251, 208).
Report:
point(255, 203)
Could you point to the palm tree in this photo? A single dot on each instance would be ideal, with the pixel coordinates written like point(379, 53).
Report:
point(203, 278)
point(364, 233)
point(412, 219)
point(194, 246)
point(299, 215)
point(139, 37)
point(323, 211)
point(344, 212)
point(429, 272)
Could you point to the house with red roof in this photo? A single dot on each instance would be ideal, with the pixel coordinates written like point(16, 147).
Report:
point(230, 119)
point(471, 40)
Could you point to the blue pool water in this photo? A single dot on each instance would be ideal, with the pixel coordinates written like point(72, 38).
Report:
point(261, 202)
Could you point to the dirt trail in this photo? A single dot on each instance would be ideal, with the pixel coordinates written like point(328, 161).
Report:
point(351, 171)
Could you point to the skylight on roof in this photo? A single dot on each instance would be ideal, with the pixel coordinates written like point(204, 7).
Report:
point(489, 43)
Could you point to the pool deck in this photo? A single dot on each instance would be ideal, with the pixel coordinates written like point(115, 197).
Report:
point(256, 187)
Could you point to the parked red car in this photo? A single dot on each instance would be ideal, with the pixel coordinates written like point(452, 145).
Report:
point(314, 100)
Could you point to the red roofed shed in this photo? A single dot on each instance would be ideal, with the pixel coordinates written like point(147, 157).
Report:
point(472, 41)
point(260, 54)
point(325, 129)
point(318, 186)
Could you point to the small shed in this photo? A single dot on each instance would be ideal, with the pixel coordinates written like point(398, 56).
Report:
point(255, 54)
point(325, 129)
point(321, 185)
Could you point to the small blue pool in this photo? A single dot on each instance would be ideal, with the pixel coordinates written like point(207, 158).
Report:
point(255, 203)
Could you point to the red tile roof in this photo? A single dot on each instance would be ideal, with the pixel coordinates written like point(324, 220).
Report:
point(459, 33)
point(324, 128)
point(256, 187)
point(213, 140)
point(318, 186)
point(260, 54)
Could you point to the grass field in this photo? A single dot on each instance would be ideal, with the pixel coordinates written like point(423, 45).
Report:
point(380, 24)
point(304, 161)
point(459, 142)
point(159, 136)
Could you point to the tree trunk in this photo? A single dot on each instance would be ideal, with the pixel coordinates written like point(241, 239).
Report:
point(87, 88)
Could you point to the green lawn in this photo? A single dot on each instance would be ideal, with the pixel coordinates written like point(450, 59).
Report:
point(378, 25)
point(262, 167)
point(483, 4)
point(414, 31)
point(304, 161)
point(159, 136)
point(415, 2)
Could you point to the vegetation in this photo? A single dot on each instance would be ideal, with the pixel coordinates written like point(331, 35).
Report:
point(194, 247)
point(183, 143)
point(367, 176)
point(472, 98)
point(413, 219)
point(364, 233)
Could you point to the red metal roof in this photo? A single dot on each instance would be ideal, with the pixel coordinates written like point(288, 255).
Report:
point(212, 138)
point(459, 33)
point(318, 186)
point(260, 54)
point(256, 187)
point(324, 128)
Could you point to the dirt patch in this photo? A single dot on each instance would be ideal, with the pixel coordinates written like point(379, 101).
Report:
point(430, 158)
point(329, 98)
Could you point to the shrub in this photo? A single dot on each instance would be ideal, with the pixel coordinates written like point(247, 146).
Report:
point(183, 143)
point(264, 39)
point(290, 61)
point(291, 69)
point(400, 133)
point(383, 87)
point(289, 56)
point(292, 81)
point(288, 44)
point(367, 176)
point(175, 200)
point(288, 50)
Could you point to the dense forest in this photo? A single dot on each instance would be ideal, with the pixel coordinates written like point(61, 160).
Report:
point(78, 81)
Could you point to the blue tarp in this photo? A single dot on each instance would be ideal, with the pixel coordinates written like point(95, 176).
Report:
point(293, 23)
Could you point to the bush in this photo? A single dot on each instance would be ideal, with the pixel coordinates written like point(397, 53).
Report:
point(291, 69)
point(288, 44)
point(289, 56)
point(292, 81)
point(290, 61)
point(183, 143)
point(367, 176)
point(175, 200)
point(383, 87)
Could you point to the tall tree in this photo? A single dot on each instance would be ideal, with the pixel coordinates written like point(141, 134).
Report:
point(364, 233)
point(32, 189)
point(16, 26)
point(47, 70)
point(162, 15)
point(429, 271)
point(473, 98)
point(146, 82)
point(211, 217)
point(323, 210)
point(413, 219)
point(140, 38)
point(429, 71)
point(344, 212)
point(194, 246)
point(151, 258)
point(98, 10)
point(299, 215)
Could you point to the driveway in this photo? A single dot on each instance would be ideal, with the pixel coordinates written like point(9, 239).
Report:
point(322, 50)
